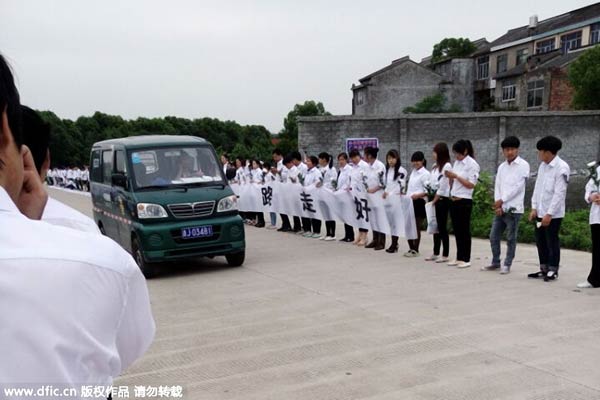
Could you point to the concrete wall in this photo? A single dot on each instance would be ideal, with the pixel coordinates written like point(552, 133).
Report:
point(579, 131)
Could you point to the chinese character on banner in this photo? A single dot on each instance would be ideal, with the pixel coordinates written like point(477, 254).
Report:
point(362, 209)
point(307, 202)
point(267, 195)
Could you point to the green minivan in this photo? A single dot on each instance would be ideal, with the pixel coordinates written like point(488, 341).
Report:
point(165, 198)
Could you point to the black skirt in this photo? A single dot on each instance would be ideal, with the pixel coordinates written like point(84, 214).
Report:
point(419, 206)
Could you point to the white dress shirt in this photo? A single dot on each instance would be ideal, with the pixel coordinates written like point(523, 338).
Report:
point(440, 181)
point(257, 175)
point(395, 185)
point(550, 190)
point(468, 169)
point(375, 172)
point(510, 184)
point(329, 174)
point(590, 188)
point(419, 178)
point(359, 173)
point(312, 176)
point(69, 314)
point(57, 213)
point(280, 166)
point(344, 177)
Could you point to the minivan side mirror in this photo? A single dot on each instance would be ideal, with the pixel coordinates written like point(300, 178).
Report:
point(119, 180)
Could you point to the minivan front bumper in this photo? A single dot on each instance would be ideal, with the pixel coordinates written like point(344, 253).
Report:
point(163, 242)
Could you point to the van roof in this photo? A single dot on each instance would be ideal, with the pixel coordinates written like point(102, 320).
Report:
point(152, 141)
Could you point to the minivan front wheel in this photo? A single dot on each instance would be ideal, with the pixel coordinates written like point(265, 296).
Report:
point(236, 259)
point(148, 269)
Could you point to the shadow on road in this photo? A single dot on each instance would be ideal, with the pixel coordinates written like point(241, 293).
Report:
point(194, 266)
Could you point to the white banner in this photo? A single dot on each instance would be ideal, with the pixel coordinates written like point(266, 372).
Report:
point(394, 215)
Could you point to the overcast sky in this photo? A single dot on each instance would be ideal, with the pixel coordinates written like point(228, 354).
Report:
point(248, 61)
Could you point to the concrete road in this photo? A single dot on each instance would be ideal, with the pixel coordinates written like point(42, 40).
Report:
point(307, 319)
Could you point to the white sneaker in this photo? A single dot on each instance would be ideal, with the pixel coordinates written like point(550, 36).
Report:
point(271, 227)
point(442, 260)
point(316, 236)
point(307, 234)
point(463, 264)
point(453, 263)
point(584, 285)
point(322, 237)
point(432, 257)
point(329, 238)
point(504, 270)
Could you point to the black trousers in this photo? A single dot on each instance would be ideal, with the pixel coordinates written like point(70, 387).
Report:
point(441, 239)
point(594, 277)
point(548, 245)
point(285, 222)
point(316, 225)
point(348, 232)
point(306, 224)
point(460, 212)
point(297, 224)
point(260, 218)
point(413, 244)
point(330, 228)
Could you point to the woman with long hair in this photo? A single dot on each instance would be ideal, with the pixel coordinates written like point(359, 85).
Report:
point(395, 182)
point(419, 178)
point(441, 202)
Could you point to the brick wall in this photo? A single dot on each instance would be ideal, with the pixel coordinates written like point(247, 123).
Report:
point(579, 131)
point(561, 91)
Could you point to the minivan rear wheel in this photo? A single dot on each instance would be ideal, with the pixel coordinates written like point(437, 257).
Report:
point(236, 259)
point(148, 269)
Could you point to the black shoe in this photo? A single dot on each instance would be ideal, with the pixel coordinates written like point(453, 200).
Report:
point(392, 249)
point(284, 230)
point(371, 245)
point(347, 240)
point(260, 225)
point(551, 276)
point(537, 275)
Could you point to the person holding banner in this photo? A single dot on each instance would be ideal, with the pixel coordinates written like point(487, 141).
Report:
point(289, 172)
point(329, 174)
point(343, 183)
point(417, 190)
point(258, 177)
point(297, 160)
point(270, 176)
point(313, 176)
point(375, 183)
point(464, 175)
point(395, 182)
point(359, 171)
point(441, 202)
point(240, 178)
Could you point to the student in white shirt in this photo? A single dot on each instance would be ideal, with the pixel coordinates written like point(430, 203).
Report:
point(270, 176)
point(441, 202)
point(509, 196)
point(240, 178)
point(313, 176)
point(257, 177)
point(375, 174)
point(359, 172)
point(419, 179)
point(343, 183)
point(289, 173)
point(329, 174)
point(464, 176)
point(69, 314)
point(395, 182)
point(592, 196)
point(548, 206)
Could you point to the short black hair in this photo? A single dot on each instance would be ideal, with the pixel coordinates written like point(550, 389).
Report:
point(277, 151)
point(418, 156)
point(372, 151)
point(512, 142)
point(343, 155)
point(36, 136)
point(314, 160)
point(287, 159)
point(354, 153)
point(267, 165)
point(296, 155)
point(10, 101)
point(549, 143)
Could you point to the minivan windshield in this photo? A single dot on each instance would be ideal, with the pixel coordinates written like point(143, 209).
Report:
point(175, 166)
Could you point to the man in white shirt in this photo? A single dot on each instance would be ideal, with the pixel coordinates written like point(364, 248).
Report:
point(69, 315)
point(509, 196)
point(548, 206)
point(375, 174)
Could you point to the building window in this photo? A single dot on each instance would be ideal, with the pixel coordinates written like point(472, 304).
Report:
point(570, 41)
point(595, 33)
point(535, 94)
point(509, 91)
point(501, 63)
point(107, 157)
point(360, 98)
point(522, 56)
point(545, 46)
point(483, 67)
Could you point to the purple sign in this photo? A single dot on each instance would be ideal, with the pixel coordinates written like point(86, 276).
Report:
point(361, 143)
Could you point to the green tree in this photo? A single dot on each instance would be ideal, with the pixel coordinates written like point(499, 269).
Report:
point(432, 104)
point(584, 75)
point(289, 134)
point(452, 47)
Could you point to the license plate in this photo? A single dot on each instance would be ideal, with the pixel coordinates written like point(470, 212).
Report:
point(196, 232)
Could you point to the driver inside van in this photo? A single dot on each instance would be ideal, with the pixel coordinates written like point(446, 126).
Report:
point(186, 167)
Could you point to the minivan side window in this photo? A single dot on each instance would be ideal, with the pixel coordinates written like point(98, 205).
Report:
point(107, 166)
point(120, 166)
point(96, 170)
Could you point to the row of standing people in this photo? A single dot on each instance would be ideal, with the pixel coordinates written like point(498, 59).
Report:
point(70, 178)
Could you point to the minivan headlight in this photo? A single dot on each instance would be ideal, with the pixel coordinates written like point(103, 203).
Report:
point(228, 203)
point(148, 210)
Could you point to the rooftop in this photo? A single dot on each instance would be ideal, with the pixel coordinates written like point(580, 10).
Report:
point(153, 140)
